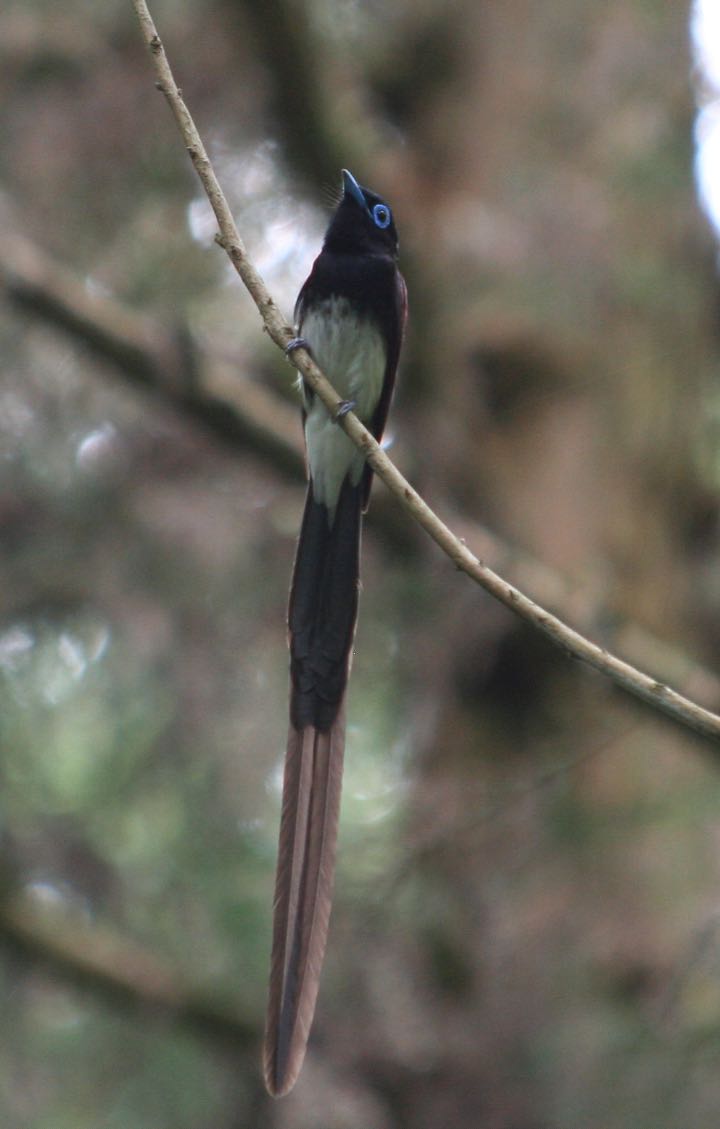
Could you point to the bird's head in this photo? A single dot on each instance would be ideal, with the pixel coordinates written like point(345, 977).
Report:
point(363, 222)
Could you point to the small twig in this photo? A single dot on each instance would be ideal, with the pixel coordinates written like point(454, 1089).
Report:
point(641, 685)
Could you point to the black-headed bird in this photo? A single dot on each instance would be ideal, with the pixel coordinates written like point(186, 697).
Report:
point(350, 314)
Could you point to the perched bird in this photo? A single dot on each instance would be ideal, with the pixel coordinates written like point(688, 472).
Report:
point(350, 314)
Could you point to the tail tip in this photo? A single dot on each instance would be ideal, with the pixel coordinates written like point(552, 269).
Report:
point(280, 1077)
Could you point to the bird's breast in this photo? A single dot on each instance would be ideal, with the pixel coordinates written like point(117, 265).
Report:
point(349, 348)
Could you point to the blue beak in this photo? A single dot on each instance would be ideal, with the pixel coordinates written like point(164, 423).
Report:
point(352, 188)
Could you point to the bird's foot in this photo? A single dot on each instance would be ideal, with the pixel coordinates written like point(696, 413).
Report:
point(297, 343)
point(343, 408)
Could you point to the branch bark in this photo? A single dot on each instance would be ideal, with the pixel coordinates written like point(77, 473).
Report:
point(660, 696)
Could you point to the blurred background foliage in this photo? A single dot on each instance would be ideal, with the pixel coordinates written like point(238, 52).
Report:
point(526, 930)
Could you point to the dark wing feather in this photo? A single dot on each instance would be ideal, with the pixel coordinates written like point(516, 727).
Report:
point(394, 330)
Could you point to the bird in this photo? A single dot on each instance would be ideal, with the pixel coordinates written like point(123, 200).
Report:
point(350, 315)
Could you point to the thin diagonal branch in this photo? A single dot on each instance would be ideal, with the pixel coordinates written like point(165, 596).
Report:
point(661, 697)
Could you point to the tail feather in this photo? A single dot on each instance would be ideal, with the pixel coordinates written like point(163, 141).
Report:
point(323, 607)
point(321, 620)
point(303, 895)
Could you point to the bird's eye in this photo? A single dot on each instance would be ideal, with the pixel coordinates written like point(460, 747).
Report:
point(381, 215)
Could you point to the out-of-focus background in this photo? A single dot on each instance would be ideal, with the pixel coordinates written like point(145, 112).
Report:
point(527, 924)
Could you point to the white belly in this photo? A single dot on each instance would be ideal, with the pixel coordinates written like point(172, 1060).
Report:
point(352, 355)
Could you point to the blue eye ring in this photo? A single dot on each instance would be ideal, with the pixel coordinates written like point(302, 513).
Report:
point(381, 215)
